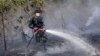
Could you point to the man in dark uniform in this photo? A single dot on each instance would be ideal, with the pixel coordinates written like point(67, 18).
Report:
point(36, 24)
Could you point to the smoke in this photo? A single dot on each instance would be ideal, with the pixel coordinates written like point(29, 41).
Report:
point(74, 14)
point(96, 13)
point(53, 50)
point(69, 15)
point(57, 49)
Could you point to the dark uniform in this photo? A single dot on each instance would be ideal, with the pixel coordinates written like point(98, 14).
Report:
point(36, 22)
point(37, 25)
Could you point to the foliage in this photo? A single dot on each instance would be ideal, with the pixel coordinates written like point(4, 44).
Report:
point(6, 5)
point(19, 2)
point(38, 3)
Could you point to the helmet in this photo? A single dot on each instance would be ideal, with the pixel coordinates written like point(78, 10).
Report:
point(38, 10)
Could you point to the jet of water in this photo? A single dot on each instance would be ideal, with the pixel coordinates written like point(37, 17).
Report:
point(77, 41)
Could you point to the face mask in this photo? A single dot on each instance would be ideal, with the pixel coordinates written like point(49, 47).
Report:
point(37, 14)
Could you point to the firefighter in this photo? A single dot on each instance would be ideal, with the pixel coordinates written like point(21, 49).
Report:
point(36, 23)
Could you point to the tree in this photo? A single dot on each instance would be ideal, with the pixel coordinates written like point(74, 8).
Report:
point(6, 5)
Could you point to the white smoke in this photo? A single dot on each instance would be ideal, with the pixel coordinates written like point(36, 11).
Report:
point(40, 54)
point(53, 50)
point(28, 31)
point(96, 13)
point(57, 49)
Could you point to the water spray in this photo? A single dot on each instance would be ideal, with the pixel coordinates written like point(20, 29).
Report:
point(77, 41)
